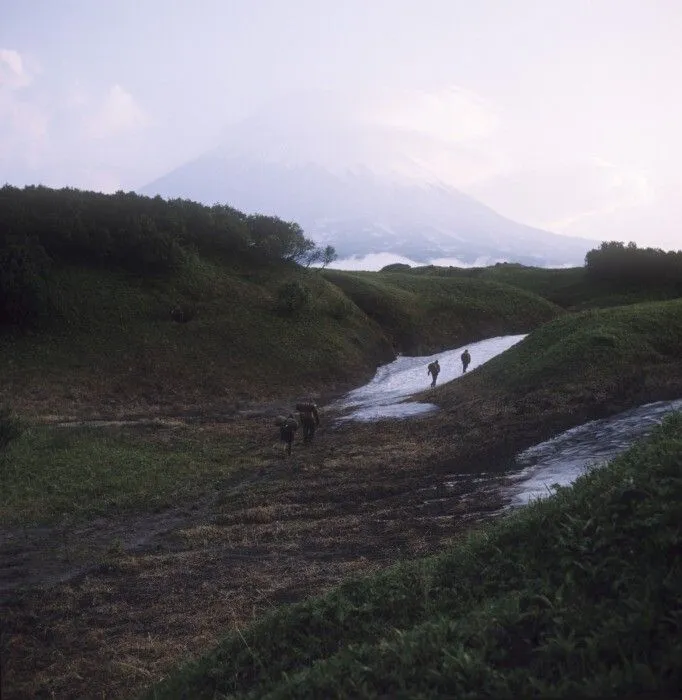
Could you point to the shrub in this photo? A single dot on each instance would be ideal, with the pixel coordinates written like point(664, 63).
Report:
point(24, 267)
point(293, 298)
point(10, 426)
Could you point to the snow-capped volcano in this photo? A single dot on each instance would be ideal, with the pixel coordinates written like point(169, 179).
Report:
point(362, 187)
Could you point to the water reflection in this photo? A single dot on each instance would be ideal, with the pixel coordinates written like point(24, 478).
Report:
point(564, 458)
point(384, 397)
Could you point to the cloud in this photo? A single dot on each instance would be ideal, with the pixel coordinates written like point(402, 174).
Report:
point(452, 114)
point(118, 113)
point(566, 196)
point(611, 188)
point(23, 124)
point(376, 261)
point(13, 72)
point(372, 261)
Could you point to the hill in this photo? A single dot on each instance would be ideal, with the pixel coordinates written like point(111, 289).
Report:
point(124, 303)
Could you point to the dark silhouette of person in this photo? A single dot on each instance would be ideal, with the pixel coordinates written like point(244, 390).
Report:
point(466, 360)
point(287, 430)
point(433, 370)
point(310, 419)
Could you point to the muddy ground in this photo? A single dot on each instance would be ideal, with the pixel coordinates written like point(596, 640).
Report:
point(105, 608)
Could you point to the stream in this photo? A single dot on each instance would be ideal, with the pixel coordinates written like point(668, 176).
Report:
point(534, 472)
point(384, 397)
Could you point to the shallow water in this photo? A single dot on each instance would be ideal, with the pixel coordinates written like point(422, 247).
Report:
point(565, 457)
point(384, 397)
point(534, 472)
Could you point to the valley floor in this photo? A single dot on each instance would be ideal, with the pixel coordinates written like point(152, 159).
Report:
point(106, 607)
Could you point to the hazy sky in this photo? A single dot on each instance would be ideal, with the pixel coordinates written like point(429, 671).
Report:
point(565, 114)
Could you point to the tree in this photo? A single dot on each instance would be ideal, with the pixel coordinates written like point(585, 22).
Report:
point(275, 239)
point(328, 256)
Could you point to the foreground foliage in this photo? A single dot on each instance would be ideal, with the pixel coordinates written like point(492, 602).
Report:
point(579, 595)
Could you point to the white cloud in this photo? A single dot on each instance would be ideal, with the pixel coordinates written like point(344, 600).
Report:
point(452, 114)
point(612, 188)
point(372, 261)
point(566, 196)
point(23, 124)
point(13, 72)
point(376, 261)
point(118, 113)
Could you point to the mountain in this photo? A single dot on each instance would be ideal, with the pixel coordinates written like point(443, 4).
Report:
point(363, 188)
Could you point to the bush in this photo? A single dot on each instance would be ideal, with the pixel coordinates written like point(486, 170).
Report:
point(10, 426)
point(24, 267)
point(293, 298)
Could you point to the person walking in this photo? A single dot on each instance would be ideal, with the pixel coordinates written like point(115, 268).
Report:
point(433, 369)
point(310, 419)
point(287, 429)
point(466, 360)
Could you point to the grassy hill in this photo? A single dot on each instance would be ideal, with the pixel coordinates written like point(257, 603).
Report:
point(114, 342)
point(425, 314)
point(123, 303)
point(579, 288)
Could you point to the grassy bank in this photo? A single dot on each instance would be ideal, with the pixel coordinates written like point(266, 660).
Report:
point(423, 314)
point(607, 346)
point(113, 345)
point(575, 596)
point(573, 289)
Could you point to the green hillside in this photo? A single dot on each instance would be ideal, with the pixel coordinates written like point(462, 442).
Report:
point(424, 314)
point(123, 302)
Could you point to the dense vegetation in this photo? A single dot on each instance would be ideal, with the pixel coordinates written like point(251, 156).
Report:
point(629, 266)
point(125, 231)
point(575, 596)
point(614, 274)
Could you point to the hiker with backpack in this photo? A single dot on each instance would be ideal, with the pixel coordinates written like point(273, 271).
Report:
point(287, 429)
point(310, 419)
point(466, 360)
point(433, 370)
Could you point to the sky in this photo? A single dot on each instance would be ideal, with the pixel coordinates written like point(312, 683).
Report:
point(561, 114)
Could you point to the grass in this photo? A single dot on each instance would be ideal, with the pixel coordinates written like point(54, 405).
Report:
point(603, 344)
point(569, 288)
point(579, 595)
point(424, 314)
point(113, 344)
point(51, 472)
point(116, 344)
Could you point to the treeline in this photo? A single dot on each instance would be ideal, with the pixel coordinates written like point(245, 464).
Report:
point(621, 265)
point(40, 226)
